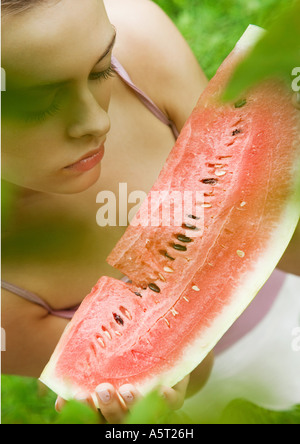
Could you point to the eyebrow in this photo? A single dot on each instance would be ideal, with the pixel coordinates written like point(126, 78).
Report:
point(51, 86)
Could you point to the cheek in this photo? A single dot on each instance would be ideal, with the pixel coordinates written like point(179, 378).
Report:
point(103, 94)
point(28, 155)
point(35, 159)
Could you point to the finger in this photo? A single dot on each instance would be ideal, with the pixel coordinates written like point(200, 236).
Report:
point(175, 396)
point(182, 386)
point(109, 404)
point(174, 399)
point(87, 400)
point(130, 395)
point(59, 404)
point(296, 100)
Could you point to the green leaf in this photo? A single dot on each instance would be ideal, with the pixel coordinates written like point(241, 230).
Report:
point(148, 410)
point(24, 401)
point(241, 411)
point(153, 409)
point(276, 54)
point(77, 413)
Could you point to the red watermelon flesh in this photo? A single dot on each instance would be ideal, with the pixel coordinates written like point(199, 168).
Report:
point(239, 164)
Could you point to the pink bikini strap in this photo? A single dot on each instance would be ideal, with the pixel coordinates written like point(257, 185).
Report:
point(31, 297)
point(118, 68)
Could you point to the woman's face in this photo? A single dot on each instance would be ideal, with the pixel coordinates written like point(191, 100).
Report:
point(57, 58)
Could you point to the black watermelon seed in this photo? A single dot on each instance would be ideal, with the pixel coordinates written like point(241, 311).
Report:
point(154, 287)
point(193, 217)
point(240, 103)
point(165, 253)
point(189, 227)
point(236, 132)
point(118, 319)
point(211, 181)
point(179, 247)
point(169, 257)
point(138, 294)
point(183, 238)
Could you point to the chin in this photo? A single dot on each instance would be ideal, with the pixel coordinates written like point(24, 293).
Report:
point(63, 184)
point(71, 184)
point(81, 183)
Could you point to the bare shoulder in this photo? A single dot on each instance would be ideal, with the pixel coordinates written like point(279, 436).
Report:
point(30, 334)
point(157, 57)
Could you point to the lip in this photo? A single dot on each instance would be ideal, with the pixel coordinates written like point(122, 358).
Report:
point(88, 161)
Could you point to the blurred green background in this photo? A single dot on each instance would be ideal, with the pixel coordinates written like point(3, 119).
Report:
point(211, 29)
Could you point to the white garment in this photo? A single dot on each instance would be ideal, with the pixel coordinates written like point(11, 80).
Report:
point(263, 366)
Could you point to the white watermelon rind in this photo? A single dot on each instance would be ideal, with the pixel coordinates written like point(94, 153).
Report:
point(196, 352)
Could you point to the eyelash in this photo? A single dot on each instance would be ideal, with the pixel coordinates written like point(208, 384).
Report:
point(104, 75)
point(55, 108)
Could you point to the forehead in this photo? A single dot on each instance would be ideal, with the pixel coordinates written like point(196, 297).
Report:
point(53, 40)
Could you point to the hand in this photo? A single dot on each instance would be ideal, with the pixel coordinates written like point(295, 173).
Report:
point(114, 405)
point(296, 100)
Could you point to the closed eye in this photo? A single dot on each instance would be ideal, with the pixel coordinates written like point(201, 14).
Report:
point(40, 116)
point(54, 108)
point(103, 75)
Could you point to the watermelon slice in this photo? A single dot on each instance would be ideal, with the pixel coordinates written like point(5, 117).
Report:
point(237, 165)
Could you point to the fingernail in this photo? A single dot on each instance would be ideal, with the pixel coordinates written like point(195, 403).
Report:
point(163, 394)
point(104, 396)
point(58, 405)
point(127, 396)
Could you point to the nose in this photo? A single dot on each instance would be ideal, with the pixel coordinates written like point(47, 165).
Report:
point(88, 118)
